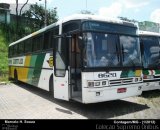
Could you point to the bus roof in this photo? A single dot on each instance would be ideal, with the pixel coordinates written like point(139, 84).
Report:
point(77, 17)
point(148, 33)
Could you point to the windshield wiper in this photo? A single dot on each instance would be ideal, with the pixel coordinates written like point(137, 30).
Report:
point(117, 53)
point(122, 52)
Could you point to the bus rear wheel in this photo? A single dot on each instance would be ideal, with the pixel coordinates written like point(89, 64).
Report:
point(15, 76)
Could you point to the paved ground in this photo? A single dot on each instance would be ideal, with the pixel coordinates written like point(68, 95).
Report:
point(25, 102)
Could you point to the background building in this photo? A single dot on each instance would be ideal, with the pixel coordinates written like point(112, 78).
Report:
point(4, 13)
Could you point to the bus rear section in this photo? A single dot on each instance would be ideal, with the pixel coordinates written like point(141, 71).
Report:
point(150, 49)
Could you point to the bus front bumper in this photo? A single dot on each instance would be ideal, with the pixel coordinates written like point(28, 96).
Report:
point(153, 85)
point(94, 95)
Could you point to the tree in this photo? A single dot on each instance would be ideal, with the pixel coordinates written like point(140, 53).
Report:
point(23, 7)
point(128, 20)
point(37, 12)
point(18, 20)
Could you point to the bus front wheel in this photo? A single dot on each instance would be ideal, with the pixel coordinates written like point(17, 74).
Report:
point(51, 91)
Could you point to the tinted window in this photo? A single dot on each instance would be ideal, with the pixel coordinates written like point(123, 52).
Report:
point(47, 40)
point(15, 49)
point(21, 48)
point(37, 42)
point(151, 52)
point(54, 34)
point(101, 50)
point(130, 51)
point(28, 45)
point(70, 27)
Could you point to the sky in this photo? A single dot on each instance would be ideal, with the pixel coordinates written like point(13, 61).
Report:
point(141, 10)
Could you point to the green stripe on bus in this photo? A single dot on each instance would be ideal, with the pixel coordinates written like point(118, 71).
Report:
point(30, 76)
point(37, 69)
point(157, 71)
point(145, 72)
point(127, 73)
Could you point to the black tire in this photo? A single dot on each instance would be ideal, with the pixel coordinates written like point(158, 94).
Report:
point(15, 76)
point(51, 86)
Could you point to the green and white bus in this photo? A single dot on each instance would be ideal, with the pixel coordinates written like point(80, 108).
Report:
point(150, 49)
point(85, 58)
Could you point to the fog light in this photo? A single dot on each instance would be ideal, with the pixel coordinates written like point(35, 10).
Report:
point(147, 84)
point(97, 93)
point(140, 87)
point(97, 83)
point(90, 84)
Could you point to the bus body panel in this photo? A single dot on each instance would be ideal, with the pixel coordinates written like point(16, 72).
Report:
point(154, 82)
point(100, 95)
point(147, 86)
point(32, 69)
point(61, 87)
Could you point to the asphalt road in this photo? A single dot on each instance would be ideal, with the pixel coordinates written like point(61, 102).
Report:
point(20, 101)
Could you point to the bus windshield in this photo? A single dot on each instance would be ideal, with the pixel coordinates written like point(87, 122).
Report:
point(110, 50)
point(130, 51)
point(151, 52)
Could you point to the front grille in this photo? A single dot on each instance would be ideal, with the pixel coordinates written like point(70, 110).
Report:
point(121, 81)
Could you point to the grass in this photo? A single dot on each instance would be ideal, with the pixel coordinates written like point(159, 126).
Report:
point(3, 57)
point(4, 78)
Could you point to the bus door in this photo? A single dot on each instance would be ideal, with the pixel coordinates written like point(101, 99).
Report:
point(61, 87)
point(75, 70)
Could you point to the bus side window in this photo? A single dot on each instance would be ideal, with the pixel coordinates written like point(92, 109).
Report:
point(55, 32)
point(47, 40)
point(15, 50)
point(20, 48)
point(25, 46)
point(9, 53)
point(18, 51)
point(37, 43)
point(28, 45)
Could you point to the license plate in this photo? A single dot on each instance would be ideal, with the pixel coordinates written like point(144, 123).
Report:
point(121, 90)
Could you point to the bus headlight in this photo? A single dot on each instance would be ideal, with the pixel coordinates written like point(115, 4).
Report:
point(136, 79)
point(104, 83)
point(140, 79)
point(90, 84)
point(97, 83)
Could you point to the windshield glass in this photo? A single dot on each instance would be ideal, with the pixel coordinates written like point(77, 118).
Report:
point(151, 52)
point(130, 51)
point(101, 50)
point(104, 50)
